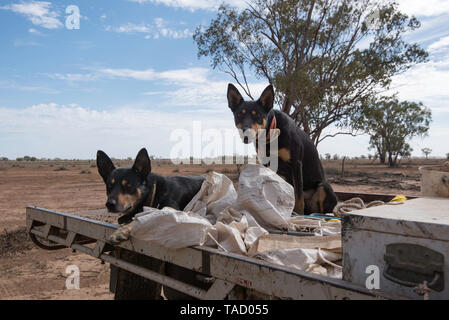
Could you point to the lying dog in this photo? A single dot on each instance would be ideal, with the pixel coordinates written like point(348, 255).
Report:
point(130, 189)
point(298, 160)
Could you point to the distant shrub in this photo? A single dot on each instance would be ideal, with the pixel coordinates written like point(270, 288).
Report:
point(61, 169)
point(4, 159)
point(85, 172)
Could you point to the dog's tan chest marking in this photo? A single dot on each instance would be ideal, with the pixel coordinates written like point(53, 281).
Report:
point(284, 154)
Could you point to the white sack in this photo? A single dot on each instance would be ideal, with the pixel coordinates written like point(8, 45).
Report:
point(170, 228)
point(217, 192)
point(230, 237)
point(248, 229)
point(266, 196)
point(305, 260)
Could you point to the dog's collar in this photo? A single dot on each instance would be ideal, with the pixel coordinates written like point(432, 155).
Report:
point(273, 132)
point(153, 195)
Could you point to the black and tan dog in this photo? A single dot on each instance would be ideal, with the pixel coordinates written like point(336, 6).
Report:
point(130, 189)
point(298, 160)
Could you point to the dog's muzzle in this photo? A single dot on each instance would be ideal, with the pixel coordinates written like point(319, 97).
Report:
point(247, 135)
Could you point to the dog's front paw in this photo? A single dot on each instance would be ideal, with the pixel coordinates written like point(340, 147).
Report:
point(119, 235)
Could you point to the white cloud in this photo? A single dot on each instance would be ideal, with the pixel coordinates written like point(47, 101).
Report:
point(426, 8)
point(72, 77)
point(130, 28)
point(38, 12)
point(441, 45)
point(411, 7)
point(15, 86)
point(193, 5)
point(160, 28)
point(72, 131)
point(178, 76)
point(426, 82)
point(34, 31)
point(175, 76)
point(188, 87)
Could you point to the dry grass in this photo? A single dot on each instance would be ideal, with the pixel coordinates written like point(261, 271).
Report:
point(14, 241)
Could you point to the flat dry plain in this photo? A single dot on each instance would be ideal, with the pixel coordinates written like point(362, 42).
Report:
point(27, 272)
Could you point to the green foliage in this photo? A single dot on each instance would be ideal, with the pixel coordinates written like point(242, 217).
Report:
point(325, 58)
point(391, 123)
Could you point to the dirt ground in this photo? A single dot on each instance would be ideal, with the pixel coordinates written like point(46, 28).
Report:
point(27, 272)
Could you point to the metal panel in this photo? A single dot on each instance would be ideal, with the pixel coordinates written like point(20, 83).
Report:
point(367, 248)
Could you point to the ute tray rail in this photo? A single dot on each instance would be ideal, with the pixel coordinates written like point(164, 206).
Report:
point(52, 230)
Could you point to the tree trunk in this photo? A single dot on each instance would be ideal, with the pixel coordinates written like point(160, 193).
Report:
point(391, 162)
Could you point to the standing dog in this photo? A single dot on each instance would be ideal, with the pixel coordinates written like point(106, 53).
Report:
point(298, 160)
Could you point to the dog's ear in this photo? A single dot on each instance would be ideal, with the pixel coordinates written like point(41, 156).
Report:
point(104, 165)
point(142, 164)
point(267, 98)
point(234, 97)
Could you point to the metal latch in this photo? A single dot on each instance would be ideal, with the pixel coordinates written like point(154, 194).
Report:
point(411, 264)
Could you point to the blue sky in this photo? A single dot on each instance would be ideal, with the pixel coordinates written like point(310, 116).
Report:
point(130, 76)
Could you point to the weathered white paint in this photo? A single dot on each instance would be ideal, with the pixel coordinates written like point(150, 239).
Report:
point(367, 232)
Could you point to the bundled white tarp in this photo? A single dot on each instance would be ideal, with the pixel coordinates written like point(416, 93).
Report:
point(311, 260)
point(216, 194)
point(170, 228)
point(266, 196)
point(232, 221)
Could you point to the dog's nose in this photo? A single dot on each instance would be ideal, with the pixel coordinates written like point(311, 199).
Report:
point(110, 204)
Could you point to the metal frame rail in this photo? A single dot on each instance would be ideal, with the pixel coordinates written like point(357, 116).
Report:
point(55, 230)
